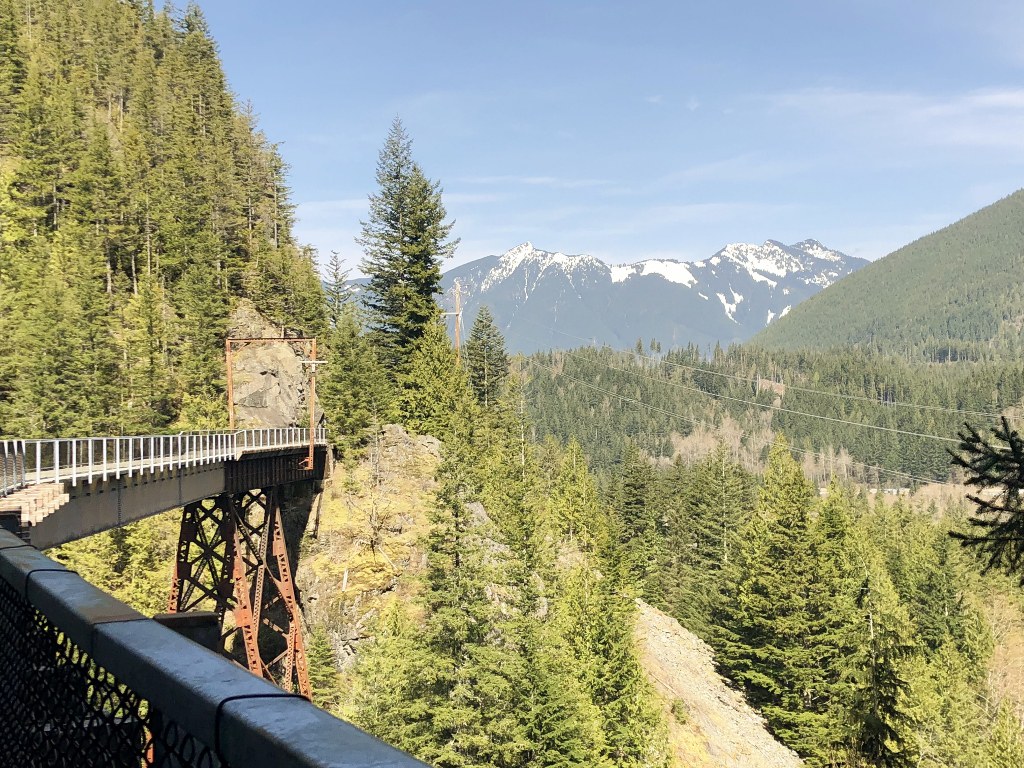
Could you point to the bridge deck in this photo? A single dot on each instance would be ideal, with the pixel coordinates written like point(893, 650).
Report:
point(105, 482)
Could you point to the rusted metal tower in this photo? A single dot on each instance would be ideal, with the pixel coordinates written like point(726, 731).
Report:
point(232, 557)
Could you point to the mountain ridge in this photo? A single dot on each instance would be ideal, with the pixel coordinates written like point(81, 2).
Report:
point(548, 299)
point(951, 295)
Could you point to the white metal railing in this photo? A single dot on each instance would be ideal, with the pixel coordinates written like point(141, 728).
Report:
point(12, 466)
point(27, 462)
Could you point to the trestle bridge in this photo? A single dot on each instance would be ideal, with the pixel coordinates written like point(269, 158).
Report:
point(87, 681)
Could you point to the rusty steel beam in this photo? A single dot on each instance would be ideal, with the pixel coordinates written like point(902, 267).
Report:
point(232, 557)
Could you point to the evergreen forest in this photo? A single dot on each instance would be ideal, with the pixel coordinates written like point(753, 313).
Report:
point(138, 204)
point(798, 510)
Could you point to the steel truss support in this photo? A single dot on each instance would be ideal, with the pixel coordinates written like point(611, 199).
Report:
point(232, 559)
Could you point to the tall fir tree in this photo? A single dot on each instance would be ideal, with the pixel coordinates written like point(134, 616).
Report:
point(356, 394)
point(433, 386)
point(775, 619)
point(879, 709)
point(486, 360)
point(405, 239)
point(707, 507)
point(463, 700)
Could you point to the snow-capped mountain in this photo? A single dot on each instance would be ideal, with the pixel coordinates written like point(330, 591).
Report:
point(542, 299)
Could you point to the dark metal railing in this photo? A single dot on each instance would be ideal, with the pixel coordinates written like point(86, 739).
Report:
point(87, 681)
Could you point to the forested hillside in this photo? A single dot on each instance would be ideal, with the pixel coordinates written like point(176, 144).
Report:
point(953, 295)
point(851, 413)
point(482, 608)
point(138, 202)
point(857, 626)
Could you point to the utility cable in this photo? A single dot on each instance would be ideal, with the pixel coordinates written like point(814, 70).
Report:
point(711, 428)
point(809, 390)
point(878, 427)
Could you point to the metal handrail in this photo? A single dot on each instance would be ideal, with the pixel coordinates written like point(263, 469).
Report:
point(12, 466)
point(28, 462)
point(220, 712)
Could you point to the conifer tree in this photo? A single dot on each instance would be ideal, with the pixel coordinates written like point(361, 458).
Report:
point(405, 240)
point(640, 522)
point(433, 387)
point(995, 463)
point(1007, 745)
point(710, 508)
point(596, 618)
point(466, 703)
point(486, 361)
point(574, 498)
point(565, 725)
point(775, 637)
point(355, 392)
point(336, 291)
point(879, 706)
point(323, 670)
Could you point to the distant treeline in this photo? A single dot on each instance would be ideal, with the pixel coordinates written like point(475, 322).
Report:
point(664, 404)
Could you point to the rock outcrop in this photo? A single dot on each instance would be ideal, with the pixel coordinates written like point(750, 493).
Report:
point(270, 381)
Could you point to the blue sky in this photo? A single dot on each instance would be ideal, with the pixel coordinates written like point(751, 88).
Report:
point(642, 129)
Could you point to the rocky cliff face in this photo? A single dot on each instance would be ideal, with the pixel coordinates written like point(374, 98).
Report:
point(270, 381)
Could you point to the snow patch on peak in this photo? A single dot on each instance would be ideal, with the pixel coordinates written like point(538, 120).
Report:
point(813, 248)
point(671, 270)
point(513, 257)
point(730, 307)
point(622, 272)
point(770, 258)
point(538, 261)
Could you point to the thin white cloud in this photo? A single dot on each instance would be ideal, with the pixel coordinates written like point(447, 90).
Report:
point(469, 198)
point(551, 182)
point(748, 167)
point(704, 213)
point(990, 118)
point(325, 209)
point(657, 98)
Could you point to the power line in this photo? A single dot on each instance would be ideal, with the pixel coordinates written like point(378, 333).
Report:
point(878, 427)
point(823, 393)
point(711, 428)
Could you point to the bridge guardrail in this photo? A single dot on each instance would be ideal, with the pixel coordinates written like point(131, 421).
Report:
point(12, 466)
point(88, 458)
point(87, 681)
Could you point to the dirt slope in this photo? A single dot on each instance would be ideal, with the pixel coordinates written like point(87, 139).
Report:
point(710, 725)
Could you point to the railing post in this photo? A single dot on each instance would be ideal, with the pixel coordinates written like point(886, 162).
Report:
point(117, 456)
point(131, 456)
point(90, 459)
